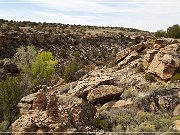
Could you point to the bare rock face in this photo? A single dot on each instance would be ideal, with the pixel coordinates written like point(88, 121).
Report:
point(165, 63)
point(104, 93)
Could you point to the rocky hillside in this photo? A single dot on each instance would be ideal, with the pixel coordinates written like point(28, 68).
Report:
point(91, 44)
point(141, 93)
point(128, 80)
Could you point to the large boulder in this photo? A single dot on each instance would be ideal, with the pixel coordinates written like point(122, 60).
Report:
point(51, 119)
point(165, 62)
point(83, 87)
point(104, 94)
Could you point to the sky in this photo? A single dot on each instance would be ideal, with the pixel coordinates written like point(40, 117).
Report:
point(150, 15)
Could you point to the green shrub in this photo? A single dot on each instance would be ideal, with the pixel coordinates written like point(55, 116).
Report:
point(124, 119)
point(36, 68)
point(160, 33)
point(4, 126)
point(10, 95)
point(23, 59)
point(101, 124)
point(143, 116)
point(128, 93)
point(176, 77)
point(162, 122)
point(174, 31)
point(69, 71)
point(139, 68)
point(146, 127)
point(43, 67)
point(62, 53)
point(150, 77)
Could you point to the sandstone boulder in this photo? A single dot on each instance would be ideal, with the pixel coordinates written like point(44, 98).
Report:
point(123, 103)
point(165, 62)
point(104, 94)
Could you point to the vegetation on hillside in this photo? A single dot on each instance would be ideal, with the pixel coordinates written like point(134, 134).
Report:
point(172, 32)
point(36, 68)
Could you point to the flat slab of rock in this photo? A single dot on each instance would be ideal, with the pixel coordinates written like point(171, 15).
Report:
point(124, 53)
point(29, 98)
point(104, 94)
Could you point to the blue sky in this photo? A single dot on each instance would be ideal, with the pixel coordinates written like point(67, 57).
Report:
point(148, 15)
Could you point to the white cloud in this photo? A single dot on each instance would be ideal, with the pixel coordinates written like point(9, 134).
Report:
point(148, 15)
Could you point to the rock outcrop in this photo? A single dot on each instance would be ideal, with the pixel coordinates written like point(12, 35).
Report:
point(26, 103)
point(47, 115)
